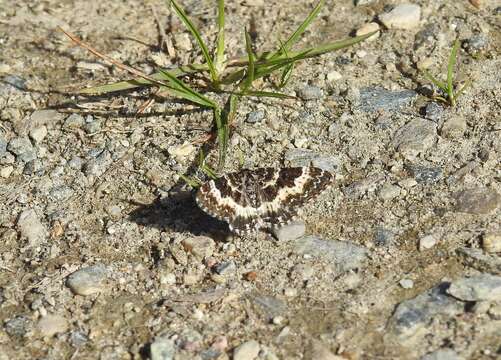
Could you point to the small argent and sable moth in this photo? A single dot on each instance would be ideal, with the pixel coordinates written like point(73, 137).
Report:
point(252, 199)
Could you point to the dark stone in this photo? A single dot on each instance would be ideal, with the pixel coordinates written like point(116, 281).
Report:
point(374, 99)
point(425, 175)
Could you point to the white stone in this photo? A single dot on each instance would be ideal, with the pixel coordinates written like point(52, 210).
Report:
point(181, 151)
point(389, 191)
point(38, 134)
point(52, 324)
point(334, 76)
point(368, 28)
point(491, 242)
point(6, 171)
point(249, 350)
point(428, 241)
point(406, 283)
point(31, 228)
point(404, 16)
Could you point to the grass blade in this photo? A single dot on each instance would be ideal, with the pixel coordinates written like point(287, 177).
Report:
point(441, 85)
point(196, 34)
point(299, 31)
point(250, 66)
point(186, 92)
point(450, 70)
point(219, 57)
point(268, 94)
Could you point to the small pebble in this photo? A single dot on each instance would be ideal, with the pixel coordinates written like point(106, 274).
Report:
point(368, 28)
point(39, 133)
point(454, 127)
point(477, 288)
point(428, 241)
point(491, 242)
point(309, 92)
point(22, 148)
point(406, 283)
point(404, 16)
point(200, 246)
point(52, 324)
point(495, 311)
point(291, 231)
point(162, 348)
point(290, 292)
point(74, 121)
point(31, 228)
point(482, 200)
point(180, 152)
point(17, 326)
point(87, 281)
point(334, 76)
point(6, 171)
point(168, 279)
point(255, 116)
point(226, 268)
point(247, 351)
point(389, 192)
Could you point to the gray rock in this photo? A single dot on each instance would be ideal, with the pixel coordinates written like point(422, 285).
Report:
point(17, 326)
point(33, 167)
point(78, 338)
point(76, 163)
point(45, 117)
point(269, 306)
point(403, 16)
point(226, 268)
point(31, 228)
point(16, 81)
point(92, 125)
point(478, 259)
point(87, 281)
point(52, 324)
point(425, 175)
point(442, 354)
point(415, 137)
point(3, 144)
point(288, 232)
point(304, 157)
point(384, 237)
point(309, 92)
point(61, 193)
point(162, 348)
point(342, 254)
point(374, 99)
point(96, 167)
point(200, 246)
point(412, 317)
point(249, 350)
point(255, 116)
point(74, 121)
point(22, 148)
point(477, 201)
point(477, 43)
point(433, 111)
point(477, 288)
point(454, 127)
point(37, 134)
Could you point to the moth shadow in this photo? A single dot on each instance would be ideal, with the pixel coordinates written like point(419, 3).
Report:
point(177, 212)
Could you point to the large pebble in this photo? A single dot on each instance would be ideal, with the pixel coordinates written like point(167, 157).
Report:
point(374, 99)
point(477, 288)
point(414, 138)
point(22, 148)
point(442, 354)
point(343, 255)
point(87, 281)
point(200, 246)
point(310, 92)
point(291, 231)
point(249, 350)
point(39, 133)
point(52, 324)
point(477, 201)
point(404, 16)
point(491, 242)
point(31, 228)
point(454, 127)
point(162, 348)
point(45, 117)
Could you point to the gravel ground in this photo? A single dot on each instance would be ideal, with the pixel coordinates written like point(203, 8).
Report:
point(104, 254)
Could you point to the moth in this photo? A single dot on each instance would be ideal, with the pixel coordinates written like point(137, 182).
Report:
point(249, 200)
